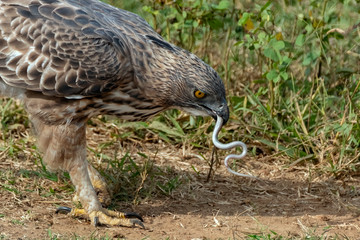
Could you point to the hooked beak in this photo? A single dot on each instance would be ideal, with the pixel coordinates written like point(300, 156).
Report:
point(223, 112)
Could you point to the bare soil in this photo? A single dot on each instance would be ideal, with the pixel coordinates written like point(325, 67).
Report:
point(293, 202)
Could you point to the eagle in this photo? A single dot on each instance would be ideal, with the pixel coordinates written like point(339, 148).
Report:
point(70, 60)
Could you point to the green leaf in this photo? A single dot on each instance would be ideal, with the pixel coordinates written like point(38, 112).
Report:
point(261, 36)
point(177, 125)
point(277, 79)
point(286, 60)
point(239, 43)
point(284, 75)
point(309, 28)
point(307, 60)
point(266, 5)
point(223, 5)
point(184, 14)
point(289, 151)
point(272, 74)
point(244, 18)
point(215, 24)
point(271, 53)
point(300, 40)
point(277, 45)
point(150, 10)
point(156, 125)
point(311, 57)
point(345, 129)
point(134, 125)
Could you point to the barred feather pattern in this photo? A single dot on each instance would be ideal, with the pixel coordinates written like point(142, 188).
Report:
point(58, 49)
point(87, 53)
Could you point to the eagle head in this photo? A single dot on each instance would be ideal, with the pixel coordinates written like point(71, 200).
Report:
point(176, 78)
point(202, 92)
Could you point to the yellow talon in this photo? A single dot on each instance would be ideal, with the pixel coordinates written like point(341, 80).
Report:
point(105, 217)
point(78, 212)
point(113, 218)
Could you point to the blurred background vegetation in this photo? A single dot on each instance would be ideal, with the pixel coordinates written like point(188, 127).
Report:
point(291, 69)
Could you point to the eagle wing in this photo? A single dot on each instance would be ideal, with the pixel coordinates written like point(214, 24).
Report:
point(66, 49)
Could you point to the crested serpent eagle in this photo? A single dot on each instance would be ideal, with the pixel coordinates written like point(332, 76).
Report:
point(70, 60)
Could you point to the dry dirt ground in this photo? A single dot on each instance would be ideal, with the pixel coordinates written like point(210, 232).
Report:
point(291, 201)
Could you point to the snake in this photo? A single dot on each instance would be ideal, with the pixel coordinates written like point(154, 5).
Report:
point(225, 146)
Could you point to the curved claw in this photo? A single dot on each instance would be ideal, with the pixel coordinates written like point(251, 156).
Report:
point(96, 221)
point(137, 222)
point(63, 210)
point(133, 215)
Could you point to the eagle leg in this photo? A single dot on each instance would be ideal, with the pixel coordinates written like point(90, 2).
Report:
point(99, 185)
point(64, 147)
point(92, 206)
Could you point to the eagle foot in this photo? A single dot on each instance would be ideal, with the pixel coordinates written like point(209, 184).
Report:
point(105, 217)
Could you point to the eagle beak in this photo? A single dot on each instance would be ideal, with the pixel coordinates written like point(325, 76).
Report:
point(223, 112)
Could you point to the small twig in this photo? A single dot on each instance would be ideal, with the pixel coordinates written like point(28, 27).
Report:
point(4, 152)
point(343, 32)
point(301, 159)
point(212, 161)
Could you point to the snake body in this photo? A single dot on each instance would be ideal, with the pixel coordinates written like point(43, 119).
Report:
point(225, 146)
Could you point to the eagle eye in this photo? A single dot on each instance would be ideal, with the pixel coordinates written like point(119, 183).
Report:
point(199, 94)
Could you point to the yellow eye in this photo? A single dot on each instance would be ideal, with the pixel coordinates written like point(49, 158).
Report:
point(199, 94)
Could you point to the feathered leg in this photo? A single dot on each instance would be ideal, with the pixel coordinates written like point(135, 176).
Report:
point(99, 185)
point(64, 147)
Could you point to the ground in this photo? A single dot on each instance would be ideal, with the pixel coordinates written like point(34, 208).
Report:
point(289, 201)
